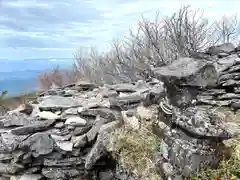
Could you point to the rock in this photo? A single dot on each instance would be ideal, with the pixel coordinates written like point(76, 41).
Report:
point(167, 169)
point(85, 85)
point(15, 119)
point(123, 87)
point(204, 124)
point(61, 138)
point(31, 177)
point(126, 102)
point(225, 63)
point(81, 130)
point(59, 125)
point(75, 121)
point(213, 92)
point(39, 144)
point(231, 82)
point(48, 115)
point(188, 71)
point(106, 175)
point(10, 168)
point(65, 145)
point(99, 148)
point(33, 128)
point(73, 161)
point(223, 48)
point(9, 142)
point(234, 76)
point(229, 96)
point(60, 173)
point(102, 112)
point(80, 141)
point(132, 122)
point(145, 113)
point(109, 93)
point(154, 96)
point(130, 113)
point(56, 103)
point(92, 133)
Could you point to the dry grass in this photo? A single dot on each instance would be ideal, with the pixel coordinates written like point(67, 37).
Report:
point(135, 150)
point(229, 169)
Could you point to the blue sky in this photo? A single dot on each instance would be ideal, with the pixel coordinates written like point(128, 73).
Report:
point(56, 28)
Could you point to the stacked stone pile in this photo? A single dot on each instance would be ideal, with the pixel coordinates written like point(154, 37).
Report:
point(63, 135)
point(211, 77)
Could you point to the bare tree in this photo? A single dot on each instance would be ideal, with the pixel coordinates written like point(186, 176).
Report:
point(226, 28)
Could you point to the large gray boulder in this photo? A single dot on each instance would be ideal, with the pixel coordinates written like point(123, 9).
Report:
point(188, 71)
point(223, 48)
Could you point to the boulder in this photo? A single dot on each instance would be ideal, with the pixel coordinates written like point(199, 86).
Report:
point(188, 71)
point(223, 48)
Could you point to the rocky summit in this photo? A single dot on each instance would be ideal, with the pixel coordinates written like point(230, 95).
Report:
point(66, 133)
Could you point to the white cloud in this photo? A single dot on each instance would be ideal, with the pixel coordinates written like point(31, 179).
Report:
point(65, 25)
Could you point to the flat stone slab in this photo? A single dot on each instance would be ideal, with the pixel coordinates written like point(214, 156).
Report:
point(58, 103)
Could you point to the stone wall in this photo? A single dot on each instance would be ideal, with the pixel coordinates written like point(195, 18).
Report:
point(64, 134)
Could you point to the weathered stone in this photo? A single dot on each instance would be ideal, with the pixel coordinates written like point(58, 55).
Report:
point(39, 144)
point(126, 102)
point(85, 85)
point(33, 128)
point(76, 121)
point(106, 175)
point(154, 96)
point(15, 119)
point(79, 141)
point(123, 87)
point(230, 82)
point(31, 177)
point(234, 76)
point(145, 113)
point(61, 138)
point(48, 115)
point(73, 161)
point(59, 125)
point(223, 64)
point(188, 71)
point(102, 112)
point(223, 48)
point(10, 168)
point(132, 122)
point(58, 103)
point(92, 133)
point(213, 92)
point(5, 157)
point(9, 142)
point(229, 96)
point(99, 149)
point(65, 145)
point(232, 69)
point(237, 89)
point(200, 123)
point(78, 131)
point(60, 173)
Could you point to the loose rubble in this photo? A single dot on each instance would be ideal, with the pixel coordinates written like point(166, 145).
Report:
point(66, 133)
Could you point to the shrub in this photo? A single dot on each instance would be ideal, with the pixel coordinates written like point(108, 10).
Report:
point(154, 44)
